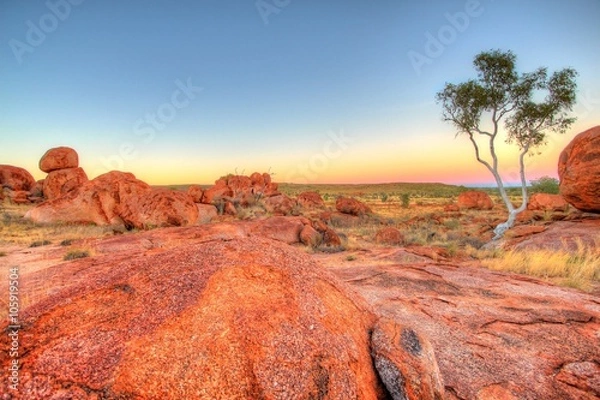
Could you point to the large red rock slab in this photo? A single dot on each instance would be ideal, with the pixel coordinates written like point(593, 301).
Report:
point(561, 235)
point(223, 319)
point(495, 335)
point(62, 181)
point(59, 158)
point(474, 200)
point(579, 171)
point(349, 205)
point(16, 178)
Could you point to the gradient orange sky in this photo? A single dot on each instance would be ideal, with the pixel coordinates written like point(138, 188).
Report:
point(239, 91)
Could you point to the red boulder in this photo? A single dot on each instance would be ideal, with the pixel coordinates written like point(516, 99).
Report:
point(16, 178)
point(59, 158)
point(547, 202)
point(62, 181)
point(579, 171)
point(348, 205)
point(310, 200)
point(475, 200)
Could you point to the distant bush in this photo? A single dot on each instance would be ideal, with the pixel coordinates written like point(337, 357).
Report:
point(384, 197)
point(39, 243)
point(75, 254)
point(545, 184)
point(405, 200)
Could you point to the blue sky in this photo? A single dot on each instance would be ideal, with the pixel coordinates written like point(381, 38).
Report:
point(315, 91)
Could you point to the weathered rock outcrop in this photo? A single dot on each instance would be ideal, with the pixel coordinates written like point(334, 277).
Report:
point(118, 198)
point(579, 171)
point(219, 319)
point(475, 200)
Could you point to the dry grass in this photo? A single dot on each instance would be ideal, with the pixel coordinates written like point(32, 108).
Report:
point(14, 229)
point(578, 269)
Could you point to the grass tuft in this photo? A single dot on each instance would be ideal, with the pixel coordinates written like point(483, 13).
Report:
point(39, 243)
point(75, 254)
point(578, 270)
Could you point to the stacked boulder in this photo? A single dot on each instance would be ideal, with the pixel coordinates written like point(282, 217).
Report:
point(64, 173)
point(579, 171)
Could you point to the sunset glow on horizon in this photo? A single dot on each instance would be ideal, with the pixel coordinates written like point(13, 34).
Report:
point(342, 92)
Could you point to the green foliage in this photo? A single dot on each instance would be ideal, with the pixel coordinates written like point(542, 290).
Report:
point(501, 93)
point(384, 197)
point(545, 184)
point(405, 200)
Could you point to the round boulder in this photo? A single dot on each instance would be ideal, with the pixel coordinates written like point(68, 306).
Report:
point(15, 178)
point(310, 200)
point(547, 202)
point(475, 200)
point(579, 171)
point(62, 181)
point(390, 236)
point(59, 158)
point(349, 205)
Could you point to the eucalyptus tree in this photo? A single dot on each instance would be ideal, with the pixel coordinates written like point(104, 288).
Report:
point(528, 105)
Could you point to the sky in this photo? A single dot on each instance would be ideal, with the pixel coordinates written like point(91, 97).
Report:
point(327, 91)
